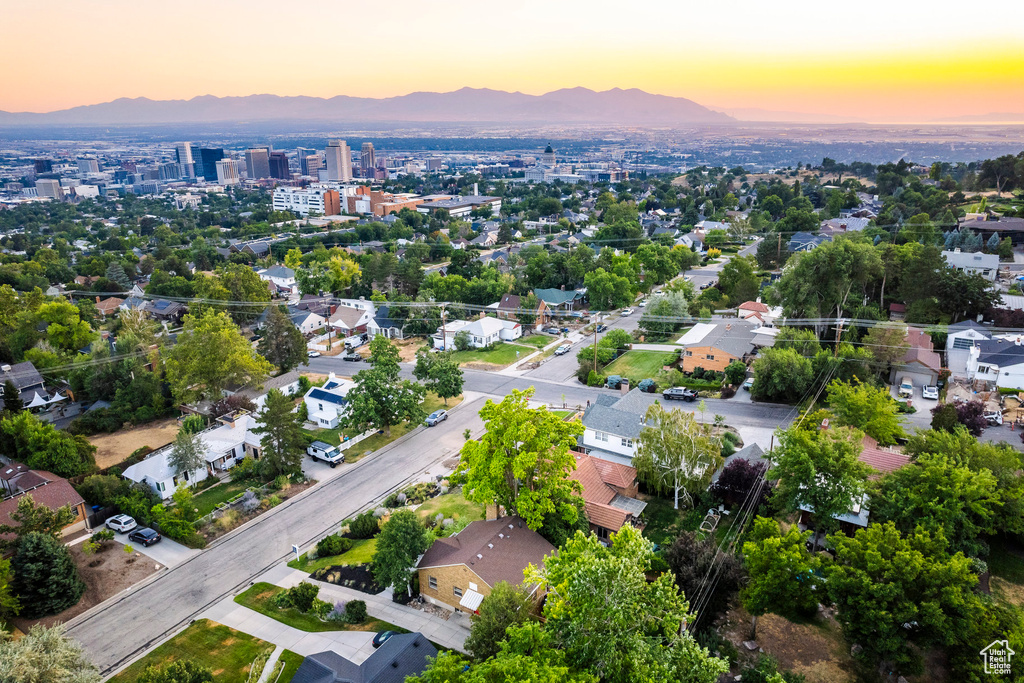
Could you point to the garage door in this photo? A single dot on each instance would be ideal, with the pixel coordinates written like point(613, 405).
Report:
point(919, 379)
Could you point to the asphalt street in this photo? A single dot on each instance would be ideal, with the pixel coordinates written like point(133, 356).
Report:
point(117, 633)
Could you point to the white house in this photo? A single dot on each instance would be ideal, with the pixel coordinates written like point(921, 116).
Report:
point(281, 276)
point(327, 404)
point(999, 362)
point(510, 330)
point(482, 333)
point(308, 321)
point(986, 265)
point(157, 473)
point(612, 426)
point(960, 339)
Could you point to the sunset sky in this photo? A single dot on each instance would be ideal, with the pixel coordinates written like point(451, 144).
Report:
point(876, 60)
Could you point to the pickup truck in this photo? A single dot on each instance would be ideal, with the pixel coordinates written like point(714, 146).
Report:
point(332, 455)
point(906, 388)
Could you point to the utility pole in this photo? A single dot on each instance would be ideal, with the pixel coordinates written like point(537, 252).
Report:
point(839, 333)
point(444, 335)
point(596, 325)
point(778, 252)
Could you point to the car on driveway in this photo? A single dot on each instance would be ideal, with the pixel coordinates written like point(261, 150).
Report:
point(627, 311)
point(145, 536)
point(679, 394)
point(563, 349)
point(381, 637)
point(436, 417)
point(643, 304)
point(552, 330)
point(748, 383)
point(332, 455)
point(931, 392)
point(122, 524)
point(313, 354)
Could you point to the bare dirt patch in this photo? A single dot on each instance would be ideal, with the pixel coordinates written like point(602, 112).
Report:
point(407, 348)
point(112, 449)
point(105, 573)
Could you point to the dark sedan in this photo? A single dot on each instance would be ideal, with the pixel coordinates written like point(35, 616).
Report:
point(146, 537)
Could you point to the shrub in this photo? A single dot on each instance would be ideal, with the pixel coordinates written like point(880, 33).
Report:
point(320, 608)
point(595, 379)
point(246, 470)
point(355, 611)
point(302, 596)
point(46, 579)
point(735, 372)
point(333, 545)
point(338, 613)
point(228, 521)
point(364, 526)
point(193, 424)
point(271, 501)
point(103, 489)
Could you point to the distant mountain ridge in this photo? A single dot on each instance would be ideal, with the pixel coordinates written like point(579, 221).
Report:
point(569, 105)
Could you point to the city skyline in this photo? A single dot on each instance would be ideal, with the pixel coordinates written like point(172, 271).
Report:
point(864, 65)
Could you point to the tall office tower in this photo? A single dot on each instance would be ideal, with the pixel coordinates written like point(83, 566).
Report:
point(183, 155)
point(367, 158)
point(44, 165)
point(170, 171)
point(300, 155)
point(206, 159)
point(227, 172)
point(88, 165)
point(339, 161)
point(257, 162)
point(311, 165)
point(279, 166)
point(48, 187)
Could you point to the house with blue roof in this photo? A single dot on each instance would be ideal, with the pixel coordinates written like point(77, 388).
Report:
point(326, 405)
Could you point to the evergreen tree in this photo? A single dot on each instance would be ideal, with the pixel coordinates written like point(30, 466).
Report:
point(401, 540)
point(46, 579)
point(283, 441)
point(115, 273)
point(45, 655)
point(993, 243)
point(12, 398)
point(282, 343)
point(188, 454)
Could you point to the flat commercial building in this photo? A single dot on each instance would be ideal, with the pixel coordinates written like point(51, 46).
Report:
point(377, 203)
point(48, 187)
point(88, 165)
point(458, 207)
point(257, 162)
point(279, 166)
point(305, 201)
point(227, 172)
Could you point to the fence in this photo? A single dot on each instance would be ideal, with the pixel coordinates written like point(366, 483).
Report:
point(316, 343)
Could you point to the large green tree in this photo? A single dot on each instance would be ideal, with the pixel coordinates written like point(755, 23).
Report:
point(402, 539)
point(188, 453)
point(282, 343)
point(818, 471)
point(629, 630)
point(46, 579)
point(45, 655)
point(440, 372)
point(506, 605)
point(781, 374)
point(676, 453)
point(282, 442)
point(828, 280)
point(381, 399)
point(738, 280)
point(210, 355)
point(783, 574)
point(523, 461)
point(870, 409)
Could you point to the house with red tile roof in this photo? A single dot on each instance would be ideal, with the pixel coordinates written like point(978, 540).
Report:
point(609, 494)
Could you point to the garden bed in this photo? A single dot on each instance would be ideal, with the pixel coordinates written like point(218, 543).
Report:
point(357, 577)
point(259, 598)
point(219, 527)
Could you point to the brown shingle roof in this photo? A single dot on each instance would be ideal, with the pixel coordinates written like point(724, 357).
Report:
point(495, 550)
point(614, 473)
point(921, 349)
point(55, 493)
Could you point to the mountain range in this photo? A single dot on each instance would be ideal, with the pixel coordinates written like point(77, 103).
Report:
point(475, 105)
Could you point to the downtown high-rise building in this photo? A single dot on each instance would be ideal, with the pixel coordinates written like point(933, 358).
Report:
point(367, 159)
point(49, 187)
point(205, 160)
point(279, 166)
point(227, 172)
point(310, 165)
point(339, 161)
point(257, 162)
point(183, 155)
point(88, 165)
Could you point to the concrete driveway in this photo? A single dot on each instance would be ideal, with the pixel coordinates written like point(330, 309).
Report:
point(167, 553)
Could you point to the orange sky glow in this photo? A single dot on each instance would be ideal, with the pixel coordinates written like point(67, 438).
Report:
point(882, 61)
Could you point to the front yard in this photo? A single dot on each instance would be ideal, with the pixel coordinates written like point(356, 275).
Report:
point(538, 341)
point(639, 365)
point(229, 653)
point(501, 354)
point(208, 500)
point(361, 552)
point(453, 506)
point(259, 599)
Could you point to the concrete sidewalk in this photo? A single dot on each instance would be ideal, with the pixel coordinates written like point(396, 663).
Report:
point(450, 633)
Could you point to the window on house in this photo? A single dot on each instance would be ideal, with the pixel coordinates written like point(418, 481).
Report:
point(432, 581)
point(689, 353)
point(161, 487)
point(710, 356)
point(457, 591)
point(628, 443)
point(601, 436)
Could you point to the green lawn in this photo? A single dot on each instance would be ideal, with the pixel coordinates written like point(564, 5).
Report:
point(221, 493)
point(562, 413)
point(502, 354)
point(258, 599)
point(360, 553)
point(452, 505)
point(229, 653)
point(638, 365)
point(537, 340)
point(292, 662)
point(663, 523)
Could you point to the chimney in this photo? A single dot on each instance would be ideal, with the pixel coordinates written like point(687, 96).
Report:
point(824, 424)
point(97, 299)
point(624, 386)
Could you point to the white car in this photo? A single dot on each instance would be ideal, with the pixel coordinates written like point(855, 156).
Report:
point(627, 311)
point(563, 349)
point(122, 524)
point(313, 354)
point(930, 392)
point(643, 303)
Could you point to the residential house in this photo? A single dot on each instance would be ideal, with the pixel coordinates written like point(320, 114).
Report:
point(401, 655)
point(612, 426)
point(985, 265)
point(281, 276)
point(849, 522)
point(560, 299)
point(759, 313)
point(960, 339)
point(383, 323)
point(458, 572)
point(287, 384)
point(920, 362)
point(45, 488)
point(326, 405)
point(27, 380)
point(482, 333)
point(109, 306)
point(349, 321)
point(713, 346)
point(897, 312)
point(609, 494)
point(166, 311)
point(805, 241)
point(998, 362)
point(882, 460)
point(133, 303)
point(307, 321)
point(847, 224)
point(693, 241)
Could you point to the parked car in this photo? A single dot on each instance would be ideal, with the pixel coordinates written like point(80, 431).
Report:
point(906, 388)
point(613, 381)
point(565, 330)
point(332, 455)
point(748, 383)
point(436, 417)
point(647, 386)
point(551, 330)
point(627, 311)
point(931, 392)
point(679, 394)
point(352, 357)
point(145, 536)
point(994, 418)
point(379, 639)
point(643, 303)
point(601, 328)
point(563, 349)
point(122, 524)
point(313, 354)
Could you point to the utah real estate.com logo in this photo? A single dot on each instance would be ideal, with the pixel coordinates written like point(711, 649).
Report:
point(997, 658)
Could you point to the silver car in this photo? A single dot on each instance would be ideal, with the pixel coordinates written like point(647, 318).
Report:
point(436, 417)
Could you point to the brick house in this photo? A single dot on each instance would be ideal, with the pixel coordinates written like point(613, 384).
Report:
point(458, 572)
point(713, 347)
point(45, 488)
